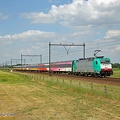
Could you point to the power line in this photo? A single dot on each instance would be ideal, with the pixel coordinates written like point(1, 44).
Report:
point(108, 45)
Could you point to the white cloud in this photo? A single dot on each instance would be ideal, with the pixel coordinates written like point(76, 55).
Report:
point(118, 48)
point(112, 33)
point(35, 47)
point(2, 17)
point(36, 36)
point(39, 17)
point(54, 1)
point(105, 2)
point(80, 13)
point(26, 51)
point(30, 35)
point(7, 39)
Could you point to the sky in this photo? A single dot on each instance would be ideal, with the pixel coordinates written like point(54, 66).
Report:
point(27, 27)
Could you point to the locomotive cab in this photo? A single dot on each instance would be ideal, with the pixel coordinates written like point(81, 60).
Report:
point(106, 67)
point(102, 66)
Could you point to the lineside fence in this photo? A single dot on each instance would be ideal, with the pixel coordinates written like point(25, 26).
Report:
point(78, 85)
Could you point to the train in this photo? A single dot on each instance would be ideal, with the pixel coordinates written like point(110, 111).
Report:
point(93, 66)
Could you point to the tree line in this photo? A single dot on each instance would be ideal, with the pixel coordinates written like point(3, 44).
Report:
point(116, 65)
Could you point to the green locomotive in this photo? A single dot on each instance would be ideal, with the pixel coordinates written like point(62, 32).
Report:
point(95, 66)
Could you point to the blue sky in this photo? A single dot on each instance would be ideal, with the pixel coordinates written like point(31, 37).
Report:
point(27, 27)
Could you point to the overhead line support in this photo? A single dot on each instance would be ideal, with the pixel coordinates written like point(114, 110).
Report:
point(67, 51)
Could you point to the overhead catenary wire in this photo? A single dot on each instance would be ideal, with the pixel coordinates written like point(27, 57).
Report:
point(78, 51)
point(107, 43)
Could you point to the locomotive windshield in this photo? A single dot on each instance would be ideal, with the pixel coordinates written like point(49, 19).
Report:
point(105, 61)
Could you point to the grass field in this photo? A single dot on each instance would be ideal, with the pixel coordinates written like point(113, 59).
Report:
point(27, 98)
point(116, 73)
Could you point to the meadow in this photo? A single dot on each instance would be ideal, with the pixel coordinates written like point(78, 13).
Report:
point(116, 73)
point(46, 98)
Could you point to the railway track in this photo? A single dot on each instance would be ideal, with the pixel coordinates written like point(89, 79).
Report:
point(106, 80)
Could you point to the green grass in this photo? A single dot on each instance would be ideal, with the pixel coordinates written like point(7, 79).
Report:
point(7, 77)
point(116, 73)
point(108, 91)
point(45, 98)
